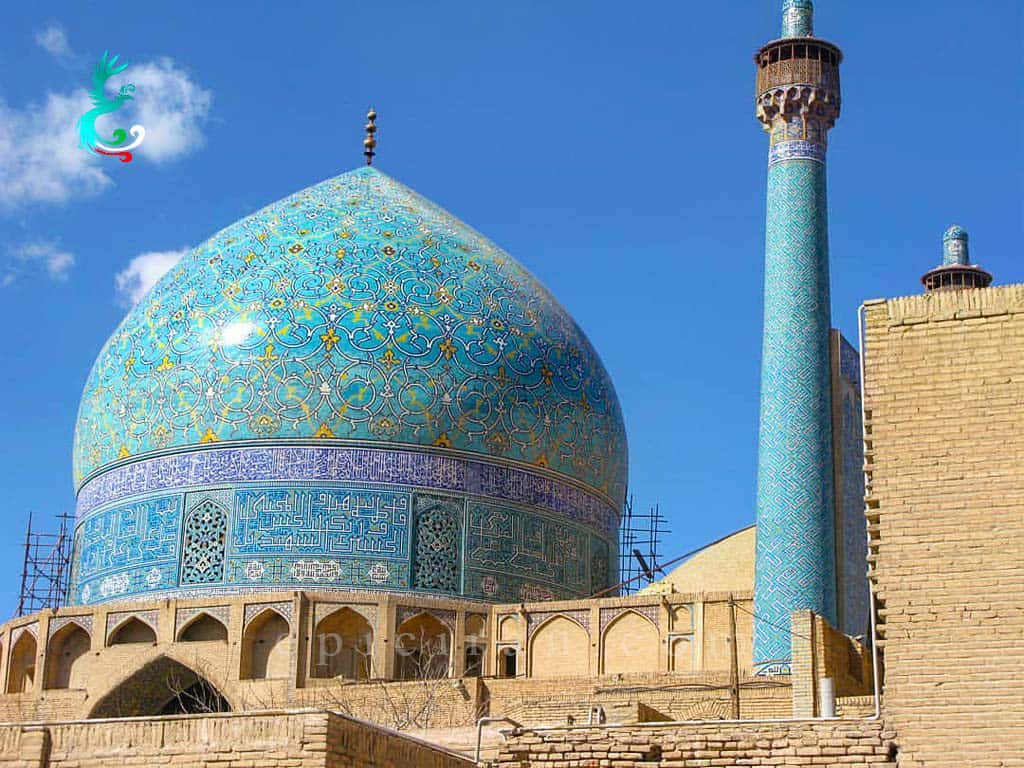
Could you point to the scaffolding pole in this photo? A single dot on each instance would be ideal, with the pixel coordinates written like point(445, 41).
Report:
point(46, 568)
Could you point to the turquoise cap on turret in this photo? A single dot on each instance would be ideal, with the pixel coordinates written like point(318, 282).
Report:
point(954, 246)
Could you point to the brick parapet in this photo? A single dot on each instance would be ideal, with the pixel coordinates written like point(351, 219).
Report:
point(285, 739)
point(850, 743)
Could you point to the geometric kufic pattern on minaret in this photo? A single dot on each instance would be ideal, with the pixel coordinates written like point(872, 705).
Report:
point(798, 101)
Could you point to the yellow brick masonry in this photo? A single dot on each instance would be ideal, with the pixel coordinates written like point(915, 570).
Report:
point(944, 398)
point(849, 744)
point(296, 739)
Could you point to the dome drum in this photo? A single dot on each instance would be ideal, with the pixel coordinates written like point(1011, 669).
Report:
point(258, 518)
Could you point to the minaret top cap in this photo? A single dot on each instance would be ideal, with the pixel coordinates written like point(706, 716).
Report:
point(797, 18)
point(954, 246)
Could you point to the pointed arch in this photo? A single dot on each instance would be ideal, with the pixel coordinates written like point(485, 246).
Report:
point(162, 686)
point(423, 648)
point(203, 627)
point(630, 643)
point(559, 647)
point(266, 646)
point(21, 666)
point(131, 630)
point(65, 657)
point(343, 646)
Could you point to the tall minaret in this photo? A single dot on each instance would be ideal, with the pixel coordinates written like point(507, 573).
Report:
point(797, 103)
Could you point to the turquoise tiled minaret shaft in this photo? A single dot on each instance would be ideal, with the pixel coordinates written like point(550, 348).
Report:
point(798, 101)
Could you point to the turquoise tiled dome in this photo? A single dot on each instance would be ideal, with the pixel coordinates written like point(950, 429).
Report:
point(353, 312)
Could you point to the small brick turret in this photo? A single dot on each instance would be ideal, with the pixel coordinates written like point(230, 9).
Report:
point(956, 271)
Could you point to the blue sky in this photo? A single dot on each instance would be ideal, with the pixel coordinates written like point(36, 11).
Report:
point(610, 147)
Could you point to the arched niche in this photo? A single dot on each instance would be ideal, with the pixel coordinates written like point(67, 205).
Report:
point(682, 619)
point(265, 648)
point(21, 667)
point(630, 644)
point(164, 686)
point(560, 648)
point(132, 630)
point(682, 654)
point(423, 648)
point(343, 646)
point(203, 628)
point(475, 645)
point(508, 629)
point(65, 657)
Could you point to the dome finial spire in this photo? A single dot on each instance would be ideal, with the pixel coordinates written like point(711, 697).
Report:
point(797, 18)
point(370, 142)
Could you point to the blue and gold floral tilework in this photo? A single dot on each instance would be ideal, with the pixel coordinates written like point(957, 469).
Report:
point(354, 311)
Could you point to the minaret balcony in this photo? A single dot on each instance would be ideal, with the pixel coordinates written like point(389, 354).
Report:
point(798, 61)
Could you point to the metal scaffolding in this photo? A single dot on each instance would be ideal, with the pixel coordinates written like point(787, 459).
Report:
point(47, 568)
point(640, 535)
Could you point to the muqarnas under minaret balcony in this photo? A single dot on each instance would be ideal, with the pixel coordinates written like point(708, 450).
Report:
point(797, 103)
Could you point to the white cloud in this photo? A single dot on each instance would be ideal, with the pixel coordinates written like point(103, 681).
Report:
point(54, 41)
point(42, 255)
point(142, 273)
point(41, 161)
point(169, 105)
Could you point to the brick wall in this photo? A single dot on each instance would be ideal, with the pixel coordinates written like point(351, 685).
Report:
point(820, 651)
point(673, 697)
point(944, 399)
point(351, 744)
point(844, 660)
point(443, 703)
point(850, 744)
point(268, 740)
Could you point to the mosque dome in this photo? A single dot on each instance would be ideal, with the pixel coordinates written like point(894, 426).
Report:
point(307, 375)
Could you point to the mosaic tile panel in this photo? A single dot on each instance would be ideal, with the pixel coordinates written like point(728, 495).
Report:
point(322, 610)
point(58, 623)
point(130, 548)
point(184, 615)
point(512, 554)
point(652, 612)
point(795, 565)
point(319, 521)
point(312, 573)
point(205, 539)
point(32, 629)
point(354, 310)
point(406, 612)
point(252, 610)
point(438, 554)
point(117, 618)
point(536, 619)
